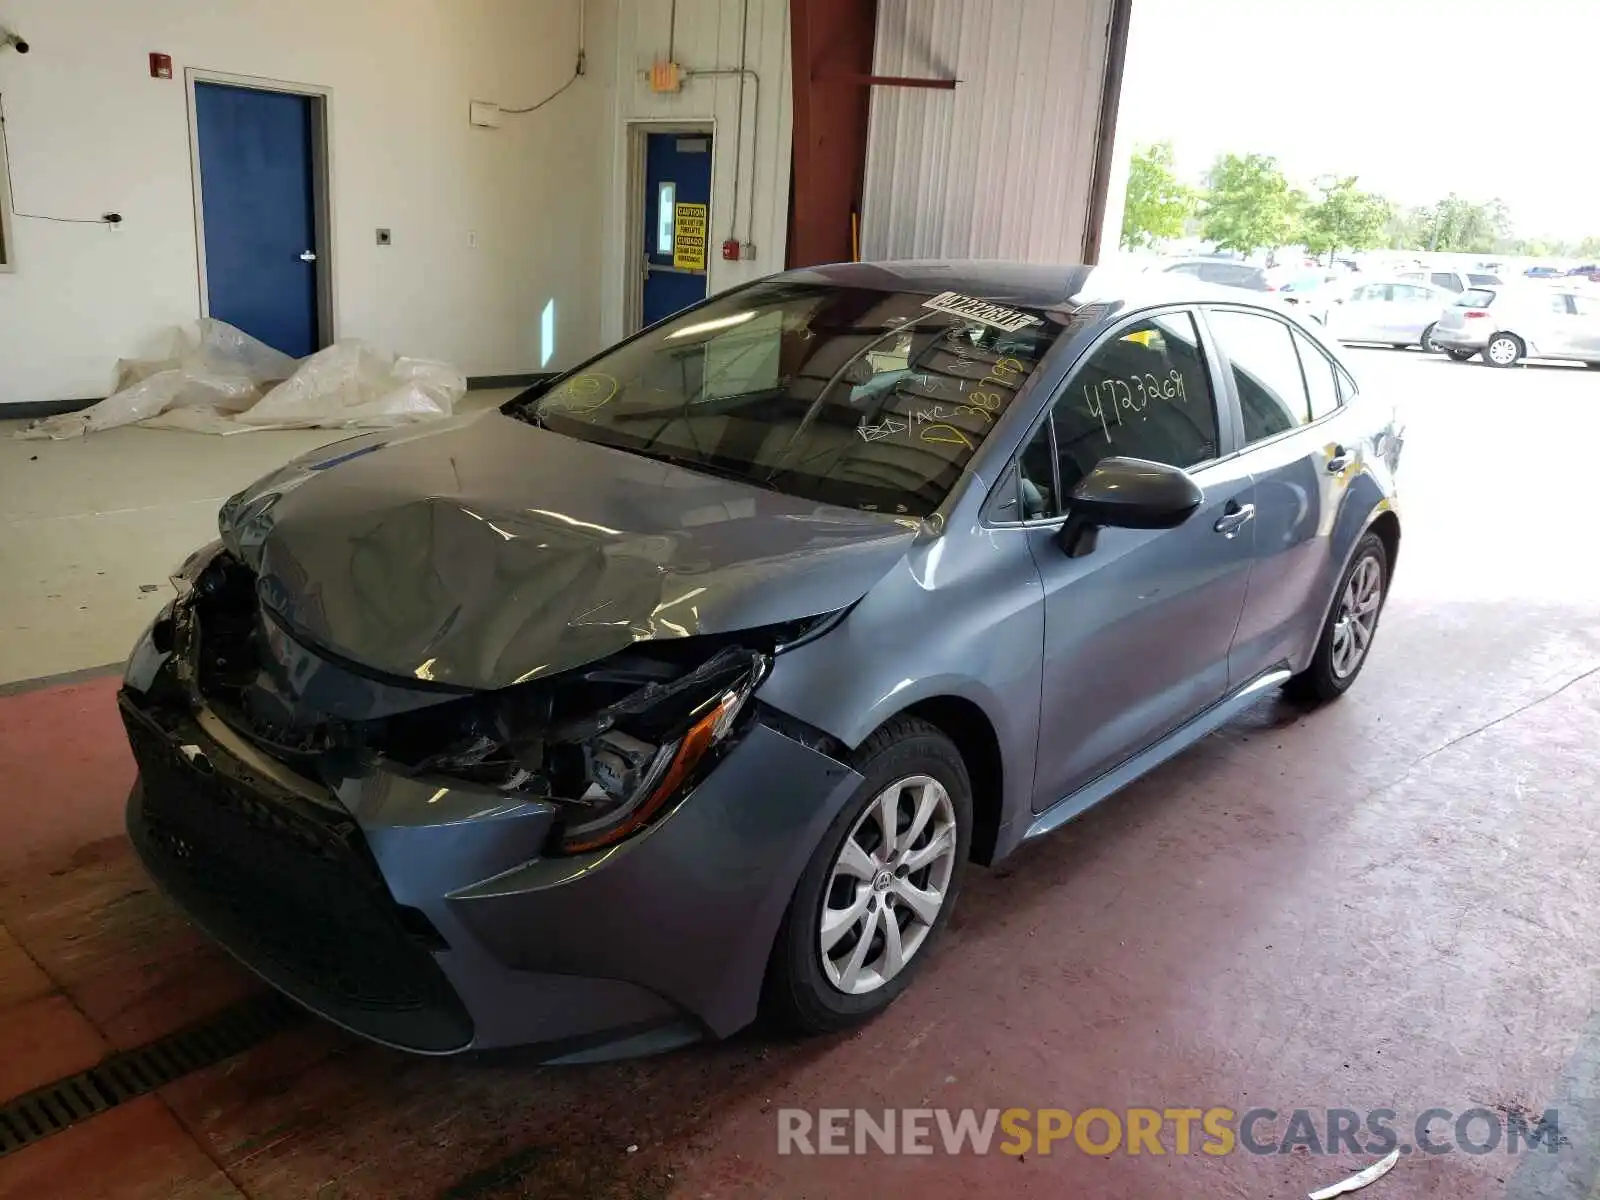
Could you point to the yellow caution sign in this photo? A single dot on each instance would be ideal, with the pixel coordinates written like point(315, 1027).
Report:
point(689, 236)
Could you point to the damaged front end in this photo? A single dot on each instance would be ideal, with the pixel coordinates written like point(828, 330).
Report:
point(611, 745)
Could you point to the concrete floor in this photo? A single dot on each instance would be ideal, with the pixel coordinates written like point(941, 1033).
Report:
point(1386, 903)
point(91, 527)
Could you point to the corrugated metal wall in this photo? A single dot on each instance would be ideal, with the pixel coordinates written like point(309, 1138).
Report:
point(1003, 166)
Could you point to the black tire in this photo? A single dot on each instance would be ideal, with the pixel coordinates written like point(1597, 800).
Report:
point(797, 994)
point(1398, 345)
point(1501, 338)
point(1462, 355)
point(1428, 345)
point(1319, 682)
point(1593, 366)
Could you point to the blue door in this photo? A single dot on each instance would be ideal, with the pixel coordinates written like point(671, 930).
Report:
point(258, 202)
point(677, 224)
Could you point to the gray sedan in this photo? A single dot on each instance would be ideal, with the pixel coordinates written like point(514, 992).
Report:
point(693, 680)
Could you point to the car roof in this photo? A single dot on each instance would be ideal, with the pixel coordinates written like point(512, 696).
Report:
point(1070, 287)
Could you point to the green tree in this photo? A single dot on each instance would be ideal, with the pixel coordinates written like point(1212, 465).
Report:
point(1249, 205)
point(1463, 226)
point(1407, 229)
point(1344, 218)
point(1157, 204)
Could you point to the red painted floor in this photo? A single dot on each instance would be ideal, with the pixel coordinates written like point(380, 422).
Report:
point(1393, 902)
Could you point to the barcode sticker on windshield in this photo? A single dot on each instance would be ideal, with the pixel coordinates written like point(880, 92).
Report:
point(982, 311)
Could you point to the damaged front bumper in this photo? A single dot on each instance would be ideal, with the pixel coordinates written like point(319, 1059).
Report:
point(429, 915)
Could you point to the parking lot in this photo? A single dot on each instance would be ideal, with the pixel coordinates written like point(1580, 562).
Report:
point(1387, 903)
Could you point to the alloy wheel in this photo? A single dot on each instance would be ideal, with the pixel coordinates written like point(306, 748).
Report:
point(1357, 617)
point(888, 884)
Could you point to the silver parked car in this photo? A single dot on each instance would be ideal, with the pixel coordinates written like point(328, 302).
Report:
point(1518, 321)
point(1393, 311)
point(690, 681)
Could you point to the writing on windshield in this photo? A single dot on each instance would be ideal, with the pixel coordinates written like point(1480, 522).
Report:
point(851, 396)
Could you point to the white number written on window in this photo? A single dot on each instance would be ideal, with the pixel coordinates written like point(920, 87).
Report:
point(1110, 398)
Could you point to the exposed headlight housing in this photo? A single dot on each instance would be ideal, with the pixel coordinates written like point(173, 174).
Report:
point(189, 571)
point(631, 780)
point(614, 767)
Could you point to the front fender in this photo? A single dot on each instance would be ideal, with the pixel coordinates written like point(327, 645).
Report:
point(960, 616)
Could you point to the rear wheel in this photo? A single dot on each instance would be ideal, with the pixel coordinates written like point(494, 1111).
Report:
point(1503, 350)
point(880, 885)
point(1429, 346)
point(1351, 625)
point(1462, 355)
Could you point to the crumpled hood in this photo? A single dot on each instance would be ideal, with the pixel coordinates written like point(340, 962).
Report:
point(484, 551)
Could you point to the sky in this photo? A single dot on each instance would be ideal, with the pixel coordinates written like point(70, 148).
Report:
point(1417, 97)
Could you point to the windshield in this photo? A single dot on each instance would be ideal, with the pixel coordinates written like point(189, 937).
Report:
point(851, 396)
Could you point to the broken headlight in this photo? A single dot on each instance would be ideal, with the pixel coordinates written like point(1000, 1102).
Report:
point(612, 745)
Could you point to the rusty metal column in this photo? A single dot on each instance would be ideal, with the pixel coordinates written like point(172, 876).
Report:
point(832, 41)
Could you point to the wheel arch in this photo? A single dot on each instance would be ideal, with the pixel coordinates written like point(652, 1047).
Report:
point(1379, 518)
point(1387, 526)
point(968, 726)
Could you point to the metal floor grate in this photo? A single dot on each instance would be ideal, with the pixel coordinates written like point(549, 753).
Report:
point(132, 1073)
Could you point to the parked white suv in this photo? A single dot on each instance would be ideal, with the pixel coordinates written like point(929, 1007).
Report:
point(1450, 281)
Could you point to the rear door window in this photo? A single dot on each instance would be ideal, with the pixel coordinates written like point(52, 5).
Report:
point(1266, 371)
point(1446, 280)
point(1322, 385)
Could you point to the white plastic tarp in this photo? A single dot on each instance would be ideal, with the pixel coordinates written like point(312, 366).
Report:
point(218, 379)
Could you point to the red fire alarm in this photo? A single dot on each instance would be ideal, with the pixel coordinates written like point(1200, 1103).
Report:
point(160, 66)
point(730, 249)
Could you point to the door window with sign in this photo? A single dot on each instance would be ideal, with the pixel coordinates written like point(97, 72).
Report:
point(676, 206)
point(1145, 393)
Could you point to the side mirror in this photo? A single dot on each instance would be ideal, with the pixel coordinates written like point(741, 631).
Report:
point(1127, 493)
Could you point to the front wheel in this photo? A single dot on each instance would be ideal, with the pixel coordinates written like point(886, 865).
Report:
point(879, 887)
point(1462, 355)
point(1503, 350)
point(1351, 625)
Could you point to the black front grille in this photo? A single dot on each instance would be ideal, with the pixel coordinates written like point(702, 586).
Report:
point(290, 888)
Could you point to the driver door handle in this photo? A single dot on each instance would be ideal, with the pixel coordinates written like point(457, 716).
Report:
point(1234, 518)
